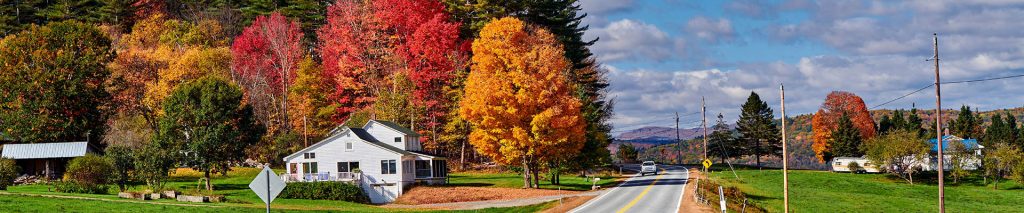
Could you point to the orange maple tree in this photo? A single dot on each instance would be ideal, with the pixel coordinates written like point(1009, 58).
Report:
point(826, 120)
point(518, 99)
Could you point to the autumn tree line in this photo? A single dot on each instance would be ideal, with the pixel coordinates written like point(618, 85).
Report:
point(208, 84)
point(898, 142)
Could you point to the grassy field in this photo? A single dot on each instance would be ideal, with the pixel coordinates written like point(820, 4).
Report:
point(234, 186)
point(822, 191)
point(512, 180)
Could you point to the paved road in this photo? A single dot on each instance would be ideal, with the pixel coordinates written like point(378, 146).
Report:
point(651, 193)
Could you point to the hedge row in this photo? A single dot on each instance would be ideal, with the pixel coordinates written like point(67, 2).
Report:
point(325, 191)
point(75, 187)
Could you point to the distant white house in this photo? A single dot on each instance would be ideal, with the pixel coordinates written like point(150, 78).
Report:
point(972, 163)
point(383, 158)
point(841, 164)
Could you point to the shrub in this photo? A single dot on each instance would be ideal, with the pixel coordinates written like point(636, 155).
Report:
point(76, 187)
point(325, 191)
point(122, 162)
point(8, 172)
point(854, 167)
point(89, 170)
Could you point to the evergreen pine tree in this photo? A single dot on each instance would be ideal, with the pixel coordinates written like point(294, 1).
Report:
point(966, 124)
point(998, 132)
point(758, 134)
point(1012, 131)
point(721, 142)
point(914, 122)
point(898, 121)
point(884, 125)
point(846, 140)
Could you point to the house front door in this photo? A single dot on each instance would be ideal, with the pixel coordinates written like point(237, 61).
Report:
point(294, 169)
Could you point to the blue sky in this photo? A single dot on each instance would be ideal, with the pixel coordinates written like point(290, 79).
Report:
point(663, 55)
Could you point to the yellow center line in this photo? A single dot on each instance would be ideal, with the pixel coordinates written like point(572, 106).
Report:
point(641, 196)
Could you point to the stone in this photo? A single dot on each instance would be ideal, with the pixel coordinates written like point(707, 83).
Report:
point(217, 198)
point(194, 199)
point(125, 195)
point(154, 196)
point(170, 194)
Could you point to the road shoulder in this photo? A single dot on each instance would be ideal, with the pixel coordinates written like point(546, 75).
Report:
point(689, 204)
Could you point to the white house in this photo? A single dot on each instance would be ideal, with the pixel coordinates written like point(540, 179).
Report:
point(972, 162)
point(383, 158)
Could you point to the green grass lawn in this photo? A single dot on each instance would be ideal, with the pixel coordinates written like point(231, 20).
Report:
point(511, 180)
point(234, 186)
point(822, 191)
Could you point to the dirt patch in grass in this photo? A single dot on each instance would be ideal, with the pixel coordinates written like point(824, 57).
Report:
point(430, 195)
point(569, 203)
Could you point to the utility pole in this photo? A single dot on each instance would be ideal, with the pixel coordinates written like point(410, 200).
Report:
point(679, 143)
point(785, 154)
point(938, 127)
point(704, 124)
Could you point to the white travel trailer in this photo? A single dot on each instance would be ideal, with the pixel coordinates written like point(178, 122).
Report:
point(841, 164)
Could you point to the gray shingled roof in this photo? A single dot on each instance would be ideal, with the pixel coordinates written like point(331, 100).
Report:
point(373, 141)
point(45, 150)
point(397, 127)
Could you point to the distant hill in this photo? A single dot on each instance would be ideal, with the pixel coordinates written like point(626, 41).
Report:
point(655, 133)
point(800, 139)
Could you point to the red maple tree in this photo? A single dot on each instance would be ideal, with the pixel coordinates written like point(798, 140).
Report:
point(362, 44)
point(264, 59)
point(825, 120)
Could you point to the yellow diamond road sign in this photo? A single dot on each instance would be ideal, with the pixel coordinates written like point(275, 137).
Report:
point(707, 163)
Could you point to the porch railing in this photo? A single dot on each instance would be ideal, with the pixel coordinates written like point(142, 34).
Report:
point(324, 176)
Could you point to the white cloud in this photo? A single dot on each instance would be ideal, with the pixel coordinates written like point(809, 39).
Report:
point(644, 95)
point(633, 40)
point(711, 30)
point(599, 10)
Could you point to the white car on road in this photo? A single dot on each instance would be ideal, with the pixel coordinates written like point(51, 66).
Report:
point(648, 167)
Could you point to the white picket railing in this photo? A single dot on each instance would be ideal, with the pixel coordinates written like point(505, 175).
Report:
point(324, 176)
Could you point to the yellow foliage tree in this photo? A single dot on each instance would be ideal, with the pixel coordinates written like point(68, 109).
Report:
point(309, 103)
point(157, 55)
point(518, 100)
point(193, 64)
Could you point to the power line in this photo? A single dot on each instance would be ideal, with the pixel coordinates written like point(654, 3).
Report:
point(984, 79)
point(904, 96)
point(948, 82)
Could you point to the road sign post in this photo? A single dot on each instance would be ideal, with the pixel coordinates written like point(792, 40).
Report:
point(267, 186)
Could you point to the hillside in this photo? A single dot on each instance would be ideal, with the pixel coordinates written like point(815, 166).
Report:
point(800, 140)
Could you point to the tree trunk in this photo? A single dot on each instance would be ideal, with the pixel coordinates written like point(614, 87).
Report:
point(462, 156)
point(526, 174)
point(209, 185)
point(757, 154)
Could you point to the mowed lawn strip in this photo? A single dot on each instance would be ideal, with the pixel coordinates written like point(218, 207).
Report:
point(822, 190)
point(16, 203)
point(512, 180)
point(234, 186)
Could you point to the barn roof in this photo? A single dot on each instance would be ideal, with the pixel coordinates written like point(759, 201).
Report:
point(45, 150)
